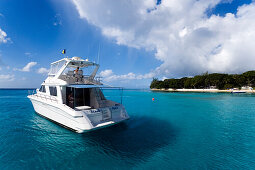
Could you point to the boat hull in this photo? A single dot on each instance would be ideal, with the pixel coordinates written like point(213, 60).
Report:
point(79, 124)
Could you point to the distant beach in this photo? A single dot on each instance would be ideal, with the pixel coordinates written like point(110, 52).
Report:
point(203, 90)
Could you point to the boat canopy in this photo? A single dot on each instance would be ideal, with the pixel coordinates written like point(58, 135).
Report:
point(84, 86)
point(74, 62)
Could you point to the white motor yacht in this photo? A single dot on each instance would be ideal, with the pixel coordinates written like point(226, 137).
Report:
point(74, 100)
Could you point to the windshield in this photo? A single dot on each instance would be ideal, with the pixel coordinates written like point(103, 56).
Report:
point(56, 67)
point(86, 71)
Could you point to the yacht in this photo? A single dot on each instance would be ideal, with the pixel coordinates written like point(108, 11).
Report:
point(75, 100)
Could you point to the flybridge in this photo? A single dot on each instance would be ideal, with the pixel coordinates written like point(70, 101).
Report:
point(75, 61)
point(64, 69)
point(70, 62)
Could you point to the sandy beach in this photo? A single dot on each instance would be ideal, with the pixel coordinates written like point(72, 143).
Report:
point(204, 90)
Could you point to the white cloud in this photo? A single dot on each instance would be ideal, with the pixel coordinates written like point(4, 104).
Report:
point(109, 76)
point(42, 70)
point(7, 77)
point(3, 37)
point(28, 67)
point(106, 73)
point(183, 37)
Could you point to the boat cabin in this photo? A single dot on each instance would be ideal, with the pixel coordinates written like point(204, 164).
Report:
point(77, 96)
point(80, 96)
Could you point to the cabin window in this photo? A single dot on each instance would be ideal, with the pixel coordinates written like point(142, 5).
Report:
point(42, 89)
point(53, 91)
point(78, 97)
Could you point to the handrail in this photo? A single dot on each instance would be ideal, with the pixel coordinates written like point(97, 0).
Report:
point(31, 92)
point(80, 78)
point(46, 97)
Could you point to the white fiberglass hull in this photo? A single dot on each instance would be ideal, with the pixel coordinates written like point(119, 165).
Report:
point(80, 123)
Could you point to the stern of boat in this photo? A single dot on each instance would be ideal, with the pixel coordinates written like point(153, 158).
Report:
point(104, 117)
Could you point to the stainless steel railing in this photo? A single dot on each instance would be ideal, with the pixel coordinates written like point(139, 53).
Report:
point(43, 96)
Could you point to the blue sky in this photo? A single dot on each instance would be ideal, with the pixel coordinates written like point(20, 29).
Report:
point(131, 53)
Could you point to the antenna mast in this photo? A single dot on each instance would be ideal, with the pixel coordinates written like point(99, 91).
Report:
point(98, 55)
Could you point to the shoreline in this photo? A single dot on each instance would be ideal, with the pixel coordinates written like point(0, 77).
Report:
point(203, 90)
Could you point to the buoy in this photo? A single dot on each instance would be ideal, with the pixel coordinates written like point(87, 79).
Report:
point(152, 99)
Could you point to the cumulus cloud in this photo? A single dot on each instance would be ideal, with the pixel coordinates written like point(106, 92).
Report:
point(3, 37)
point(106, 73)
point(28, 67)
point(184, 38)
point(109, 76)
point(42, 70)
point(7, 77)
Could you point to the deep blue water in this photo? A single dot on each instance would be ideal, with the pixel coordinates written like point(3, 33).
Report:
point(177, 131)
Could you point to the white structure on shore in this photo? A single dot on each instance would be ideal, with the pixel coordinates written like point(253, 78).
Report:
point(246, 88)
point(74, 100)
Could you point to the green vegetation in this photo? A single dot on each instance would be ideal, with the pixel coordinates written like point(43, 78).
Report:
point(205, 81)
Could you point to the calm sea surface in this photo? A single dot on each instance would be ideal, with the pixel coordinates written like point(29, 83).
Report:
point(177, 131)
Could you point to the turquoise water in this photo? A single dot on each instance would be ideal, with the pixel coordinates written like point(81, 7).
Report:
point(177, 131)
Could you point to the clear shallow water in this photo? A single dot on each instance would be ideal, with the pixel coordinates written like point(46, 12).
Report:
point(177, 130)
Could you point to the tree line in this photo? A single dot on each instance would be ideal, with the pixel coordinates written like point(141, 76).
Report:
point(204, 81)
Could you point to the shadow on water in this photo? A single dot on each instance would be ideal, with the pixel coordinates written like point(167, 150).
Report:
point(126, 144)
point(136, 139)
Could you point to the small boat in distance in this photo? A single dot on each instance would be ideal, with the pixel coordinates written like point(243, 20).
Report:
point(74, 100)
point(238, 91)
